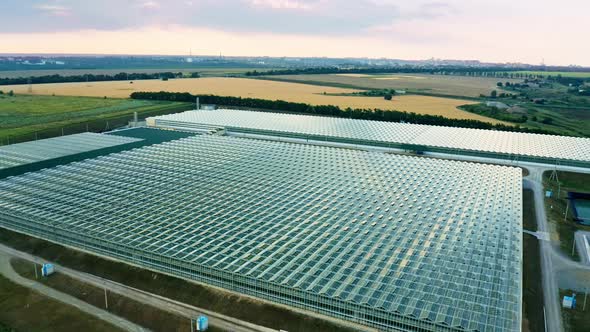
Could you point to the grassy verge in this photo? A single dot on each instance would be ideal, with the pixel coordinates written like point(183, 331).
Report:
point(494, 112)
point(28, 117)
point(529, 216)
point(22, 309)
point(575, 320)
point(134, 311)
point(226, 303)
point(6, 328)
point(557, 205)
point(532, 288)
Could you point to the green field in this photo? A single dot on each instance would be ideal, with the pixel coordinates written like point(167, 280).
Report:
point(22, 309)
point(571, 121)
point(557, 205)
point(24, 115)
point(555, 73)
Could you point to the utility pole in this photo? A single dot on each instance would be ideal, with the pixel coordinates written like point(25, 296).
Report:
point(198, 104)
point(567, 207)
point(37, 277)
point(106, 302)
point(62, 131)
point(574, 245)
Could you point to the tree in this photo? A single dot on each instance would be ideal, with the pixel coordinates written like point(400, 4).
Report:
point(388, 97)
point(494, 94)
point(11, 93)
point(499, 84)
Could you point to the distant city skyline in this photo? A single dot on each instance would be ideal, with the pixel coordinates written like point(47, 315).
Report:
point(523, 31)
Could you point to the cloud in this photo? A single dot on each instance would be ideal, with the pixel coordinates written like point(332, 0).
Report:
point(282, 4)
point(55, 10)
point(486, 29)
point(310, 17)
point(149, 5)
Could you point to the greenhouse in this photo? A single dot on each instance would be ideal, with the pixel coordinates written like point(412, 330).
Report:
point(574, 151)
point(395, 242)
point(35, 151)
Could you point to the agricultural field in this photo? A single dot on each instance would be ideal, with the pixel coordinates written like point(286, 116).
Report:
point(204, 71)
point(255, 88)
point(414, 83)
point(25, 114)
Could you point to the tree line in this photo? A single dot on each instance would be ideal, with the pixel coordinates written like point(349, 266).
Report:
point(92, 78)
point(331, 110)
point(447, 70)
point(494, 72)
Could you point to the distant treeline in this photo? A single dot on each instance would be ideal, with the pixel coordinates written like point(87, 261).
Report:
point(497, 72)
point(472, 71)
point(92, 78)
point(330, 110)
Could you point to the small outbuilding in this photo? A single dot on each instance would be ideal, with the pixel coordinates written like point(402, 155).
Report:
point(569, 302)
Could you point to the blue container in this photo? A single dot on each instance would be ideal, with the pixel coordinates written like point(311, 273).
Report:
point(47, 270)
point(202, 323)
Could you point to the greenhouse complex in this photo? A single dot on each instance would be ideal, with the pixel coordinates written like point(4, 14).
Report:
point(390, 241)
point(51, 148)
point(573, 151)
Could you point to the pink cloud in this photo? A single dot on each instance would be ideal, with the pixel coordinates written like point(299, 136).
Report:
point(282, 4)
point(149, 5)
point(55, 10)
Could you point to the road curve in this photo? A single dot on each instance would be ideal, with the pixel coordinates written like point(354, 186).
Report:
point(172, 306)
point(7, 270)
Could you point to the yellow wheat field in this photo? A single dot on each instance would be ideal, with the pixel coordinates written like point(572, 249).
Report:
point(293, 92)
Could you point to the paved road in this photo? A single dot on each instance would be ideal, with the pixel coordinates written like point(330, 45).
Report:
point(552, 259)
point(550, 290)
point(175, 307)
point(7, 270)
point(583, 246)
point(539, 235)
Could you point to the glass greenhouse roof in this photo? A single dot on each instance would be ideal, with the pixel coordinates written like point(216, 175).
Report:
point(433, 243)
point(50, 148)
point(451, 138)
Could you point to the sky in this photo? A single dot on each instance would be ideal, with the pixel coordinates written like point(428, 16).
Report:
point(527, 31)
